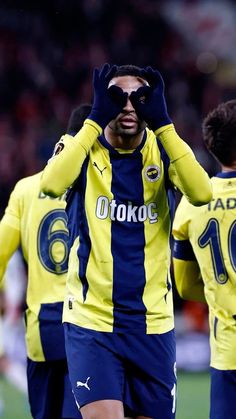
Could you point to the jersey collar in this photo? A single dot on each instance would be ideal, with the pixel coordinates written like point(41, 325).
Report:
point(226, 175)
point(107, 145)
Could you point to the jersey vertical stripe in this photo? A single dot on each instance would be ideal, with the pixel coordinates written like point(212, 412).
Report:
point(127, 241)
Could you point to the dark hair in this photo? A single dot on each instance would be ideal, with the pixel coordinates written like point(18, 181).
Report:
point(219, 132)
point(130, 70)
point(77, 117)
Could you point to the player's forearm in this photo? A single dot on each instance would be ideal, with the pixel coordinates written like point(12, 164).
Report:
point(63, 169)
point(9, 242)
point(188, 280)
point(192, 180)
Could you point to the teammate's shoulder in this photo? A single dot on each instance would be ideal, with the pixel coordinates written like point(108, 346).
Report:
point(29, 180)
point(184, 206)
point(27, 184)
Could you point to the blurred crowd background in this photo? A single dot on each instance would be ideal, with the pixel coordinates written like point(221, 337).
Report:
point(48, 51)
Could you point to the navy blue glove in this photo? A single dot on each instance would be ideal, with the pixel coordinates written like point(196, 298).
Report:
point(149, 101)
point(107, 103)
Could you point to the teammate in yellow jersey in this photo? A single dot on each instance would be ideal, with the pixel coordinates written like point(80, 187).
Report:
point(118, 311)
point(205, 257)
point(38, 224)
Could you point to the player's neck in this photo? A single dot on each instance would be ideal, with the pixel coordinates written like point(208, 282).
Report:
point(231, 168)
point(125, 142)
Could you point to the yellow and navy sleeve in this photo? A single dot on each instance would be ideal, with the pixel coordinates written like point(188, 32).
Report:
point(65, 166)
point(187, 275)
point(197, 187)
point(188, 280)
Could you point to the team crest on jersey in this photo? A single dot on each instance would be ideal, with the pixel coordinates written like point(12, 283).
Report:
point(152, 173)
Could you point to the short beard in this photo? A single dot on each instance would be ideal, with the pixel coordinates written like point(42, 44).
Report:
point(125, 133)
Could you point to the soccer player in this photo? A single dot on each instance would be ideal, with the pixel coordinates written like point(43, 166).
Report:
point(205, 257)
point(118, 312)
point(38, 224)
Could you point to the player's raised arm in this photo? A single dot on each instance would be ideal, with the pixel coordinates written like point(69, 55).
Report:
point(70, 152)
point(150, 105)
point(65, 167)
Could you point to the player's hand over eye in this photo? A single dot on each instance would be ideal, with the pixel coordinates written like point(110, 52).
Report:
point(107, 102)
point(149, 101)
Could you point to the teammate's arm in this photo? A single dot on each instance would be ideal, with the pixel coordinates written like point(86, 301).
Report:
point(188, 280)
point(10, 228)
point(186, 173)
point(9, 242)
point(187, 274)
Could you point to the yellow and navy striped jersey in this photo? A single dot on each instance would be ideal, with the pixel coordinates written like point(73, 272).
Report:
point(40, 225)
point(119, 213)
point(208, 233)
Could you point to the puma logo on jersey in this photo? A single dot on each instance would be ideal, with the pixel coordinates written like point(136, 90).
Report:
point(126, 212)
point(58, 148)
point(101, 171)
point(70, 302)
point(81, 384)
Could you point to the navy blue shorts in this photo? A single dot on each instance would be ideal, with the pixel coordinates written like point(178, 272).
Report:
point(135, 368)
point(49, 391)
point(223, 394)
